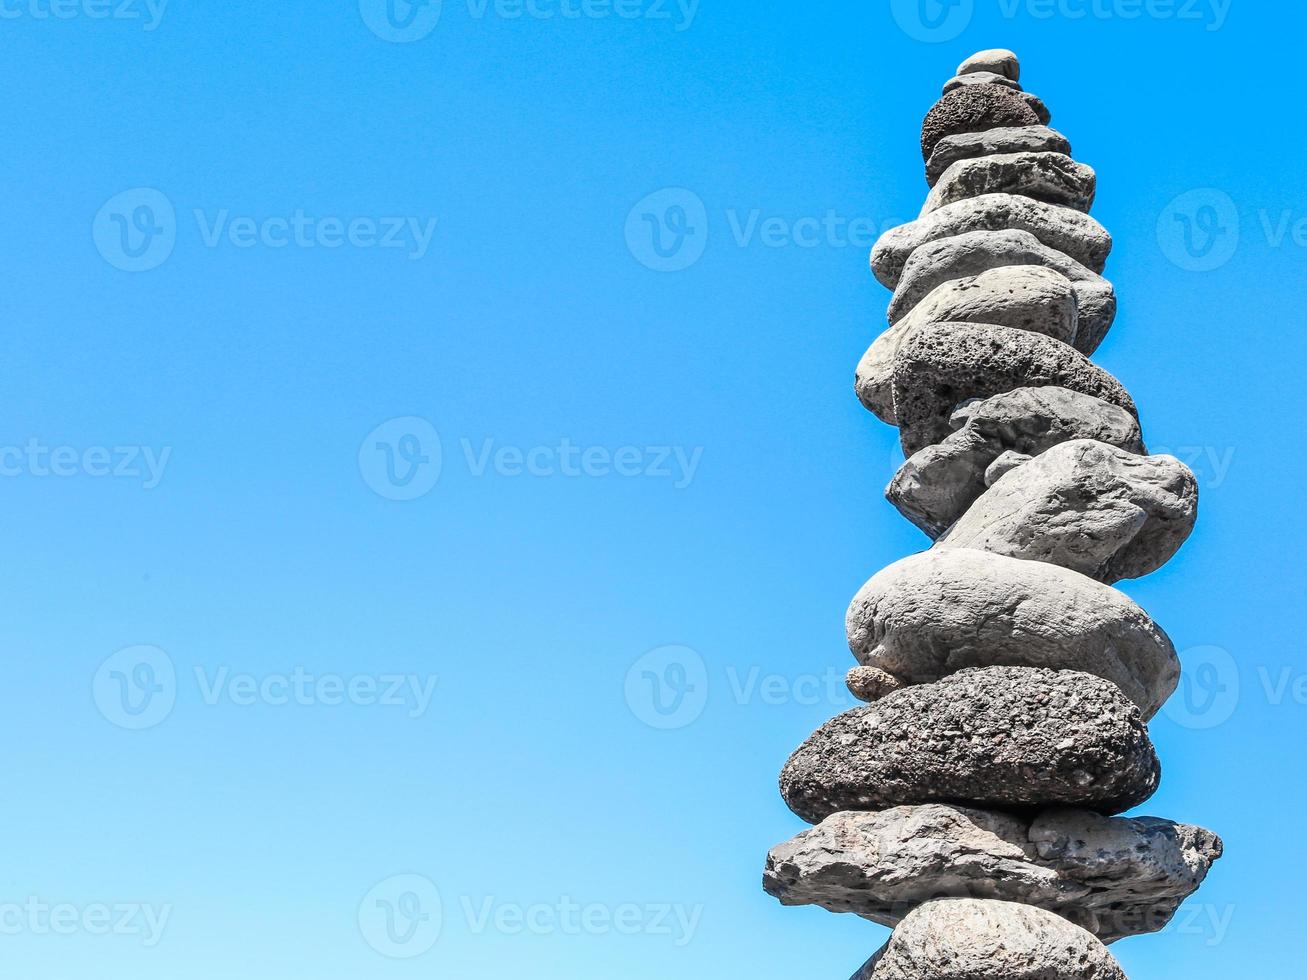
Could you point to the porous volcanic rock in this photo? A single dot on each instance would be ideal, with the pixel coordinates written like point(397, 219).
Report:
point(971, 109)
point(1016, 139)
point(1053, 178)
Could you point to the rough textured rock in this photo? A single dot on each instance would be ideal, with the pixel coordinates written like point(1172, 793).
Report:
point(1000, 61)
point(1063, 230)
point(974, 108)
point(938, 366)
point(980, 78)
point(870, 684)
point(1037, 106)
point(931, 615)
point(1017, 139)
point(937, 485)
point(1113, 876)
point(1026, 297)
point(1087, 506)
point(978, 251)
point(1050, 177)
point(991, 737)
point(973, 939)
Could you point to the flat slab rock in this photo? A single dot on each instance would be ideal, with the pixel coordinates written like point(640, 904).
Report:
point(971, 939)
point(980, 78)
point(1011, 139)
point(930, 615)
point(995, 737)
point(979, 251)
point(1074, 234)
point(1026, 297)
point(1053, 178)
point(1087, 506)
point(1113, 876)
point(937, 485)
point(939, 366)
point(974, 108)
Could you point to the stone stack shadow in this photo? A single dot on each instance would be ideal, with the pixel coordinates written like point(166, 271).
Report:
point(973, 803)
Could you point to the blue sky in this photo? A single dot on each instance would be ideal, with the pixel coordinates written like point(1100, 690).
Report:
point(417, 569)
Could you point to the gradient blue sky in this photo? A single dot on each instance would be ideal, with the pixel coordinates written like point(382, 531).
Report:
point(562, 538)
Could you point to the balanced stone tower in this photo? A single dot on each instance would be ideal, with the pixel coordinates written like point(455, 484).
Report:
point(972, 804)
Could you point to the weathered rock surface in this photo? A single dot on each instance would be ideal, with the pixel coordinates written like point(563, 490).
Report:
point(870, 684)
point(1053, 178)
point(938, 366)
point(980, 78)
point(1036, 104)
point(1087, 506)
point(978, 251)
point(1072, 233)
point(933, 614)
point(1000, 61)
point(937, 485)
point(968, 146)
point(973, 939)
point(971, 109)
point(1025, 297)
point(1113, 876)
point(991, 737)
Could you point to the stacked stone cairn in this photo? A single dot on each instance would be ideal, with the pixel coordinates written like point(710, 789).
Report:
point(972, 803)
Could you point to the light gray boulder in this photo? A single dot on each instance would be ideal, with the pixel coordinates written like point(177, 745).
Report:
point(1113, 876)
point(994, 737)
point(937, 485)
point(1025, 297)
point(1053, 178)
point(933, 614)
point(1072, 233)
point(938, 366)
point(1017, 139)
point(975, 252)
point(1000, 61)
point(980, 78)
point(1087, 506)
point(974, 939)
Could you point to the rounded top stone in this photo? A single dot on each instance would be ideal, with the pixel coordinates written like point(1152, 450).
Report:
point(1000, 61)
point(974, 109)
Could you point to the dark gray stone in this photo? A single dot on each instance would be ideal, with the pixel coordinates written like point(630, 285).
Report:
point(971, 109)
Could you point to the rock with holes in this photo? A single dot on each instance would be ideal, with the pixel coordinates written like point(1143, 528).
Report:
point(969, 146)
point(933, 614)
point(1113, 876)
point(938, 366)
point(974, 108)
point(1053, 178)
point(1025, 297)
point(1087, 506)
point(937, 485)
point(992, 737)
point(999, 61)
point(1037, 107)
point(1074, 234)
point(979, 251)
point(977, 939)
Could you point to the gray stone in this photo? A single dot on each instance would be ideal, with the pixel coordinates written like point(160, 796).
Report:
point(980, 78)
point(1025, 297)
point(938, 366)
point(1037, 106)
point(973, 108)
point(937, 485)
point(1087, 506)
point(978, 251)
point(968, 146)
point(930, 615)
point(1053, 178)
point(1000, 61)
point(993, 737)
point(1072, 233)
point(1113, 876)
point(870, 684)
point(974, 939)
